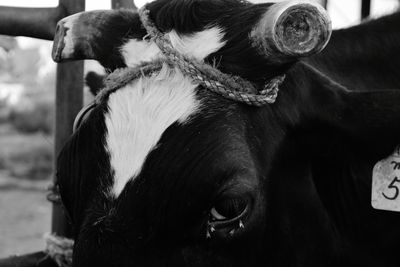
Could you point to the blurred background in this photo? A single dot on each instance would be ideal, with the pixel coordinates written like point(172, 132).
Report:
point(27, 96)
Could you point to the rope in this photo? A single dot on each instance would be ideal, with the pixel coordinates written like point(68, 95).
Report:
point(231, 87)
point(121, 77)
point(59, 249)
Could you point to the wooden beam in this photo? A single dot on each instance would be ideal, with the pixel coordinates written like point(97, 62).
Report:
point(116, 4)
point(69, 100)
point(38, 259)
point(365, 8)
point(31, 22)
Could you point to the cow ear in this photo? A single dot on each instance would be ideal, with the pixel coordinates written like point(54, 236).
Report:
point(96, 35)
point(290, 30)
point(95, 82)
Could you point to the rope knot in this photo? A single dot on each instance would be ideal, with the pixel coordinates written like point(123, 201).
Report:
point(59, 249)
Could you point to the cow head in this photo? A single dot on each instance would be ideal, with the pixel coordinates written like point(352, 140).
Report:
point(162, 172)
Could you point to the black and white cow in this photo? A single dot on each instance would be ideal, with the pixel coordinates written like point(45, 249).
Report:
point(159, 160)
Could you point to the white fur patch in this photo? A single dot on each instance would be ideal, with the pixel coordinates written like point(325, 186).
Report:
point(198, 45)
point(139, 114)
point(137, 51)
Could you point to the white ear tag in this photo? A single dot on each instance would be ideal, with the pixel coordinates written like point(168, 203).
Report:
point(386, 183)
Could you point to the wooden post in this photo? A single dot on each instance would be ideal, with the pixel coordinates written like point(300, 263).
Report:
point(365, 8)
point(116, 4)
point(41, 23)
point(69, 100)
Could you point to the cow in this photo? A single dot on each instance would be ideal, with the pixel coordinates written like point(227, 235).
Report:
point(363, 57)
point(161, 171)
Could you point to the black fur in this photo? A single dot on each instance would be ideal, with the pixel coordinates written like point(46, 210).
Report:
point(304, 162)
point(116, 29)
point(365, 56)
point(235, 17)
point(95, 82)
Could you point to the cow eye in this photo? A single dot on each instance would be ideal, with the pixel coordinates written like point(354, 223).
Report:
point(228, 209)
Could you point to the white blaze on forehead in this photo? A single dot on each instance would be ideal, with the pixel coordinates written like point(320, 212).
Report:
point(139, 114)
point(198, 45)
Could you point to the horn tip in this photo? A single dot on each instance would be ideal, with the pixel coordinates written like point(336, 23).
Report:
point(59, 42)
point(303, 29)
point(292, 29)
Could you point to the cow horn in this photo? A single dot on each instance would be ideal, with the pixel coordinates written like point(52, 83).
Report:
point(92, 35)
point(292, 29)
point(72, 40)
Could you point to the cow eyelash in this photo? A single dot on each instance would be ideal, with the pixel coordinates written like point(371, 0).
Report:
point(232, 220)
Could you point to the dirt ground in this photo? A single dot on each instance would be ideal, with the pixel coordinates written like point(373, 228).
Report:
point(25, 215)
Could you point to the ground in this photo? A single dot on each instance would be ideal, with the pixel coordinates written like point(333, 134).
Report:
point(25, 214)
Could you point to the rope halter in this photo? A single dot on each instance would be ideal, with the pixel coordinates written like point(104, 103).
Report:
point(231, 87)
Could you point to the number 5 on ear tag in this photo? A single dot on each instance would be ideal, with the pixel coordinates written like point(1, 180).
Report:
point(386, 183)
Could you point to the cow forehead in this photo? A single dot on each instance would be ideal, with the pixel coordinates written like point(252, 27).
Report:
point(139, 113)
point(197, 45)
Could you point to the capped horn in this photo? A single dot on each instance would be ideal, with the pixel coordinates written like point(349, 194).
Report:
point(94, 35)
point(292, 29)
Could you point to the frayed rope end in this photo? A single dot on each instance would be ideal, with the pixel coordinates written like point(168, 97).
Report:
point(59, 249)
